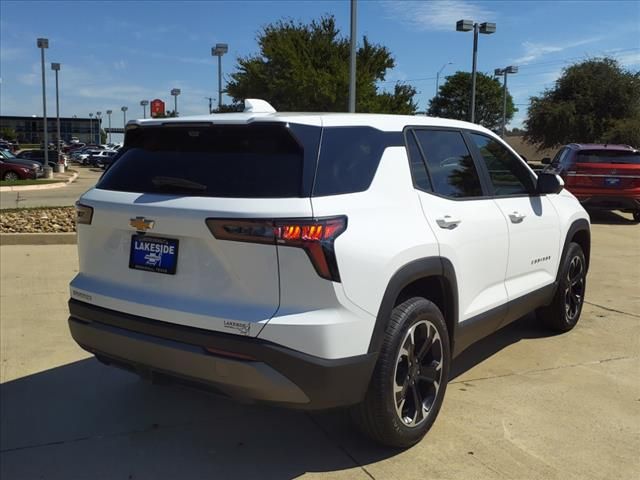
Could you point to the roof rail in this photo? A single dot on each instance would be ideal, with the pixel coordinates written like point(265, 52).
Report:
point(256, 105)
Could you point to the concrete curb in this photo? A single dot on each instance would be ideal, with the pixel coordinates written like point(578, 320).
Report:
point(38, 238)
point(46, 186)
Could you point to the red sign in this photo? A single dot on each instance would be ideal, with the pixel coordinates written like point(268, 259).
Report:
point(157, 108)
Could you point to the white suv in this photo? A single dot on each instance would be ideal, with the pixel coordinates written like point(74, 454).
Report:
point(320, 260)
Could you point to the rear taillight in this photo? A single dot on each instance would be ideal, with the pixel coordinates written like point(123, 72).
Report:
point(84, 214)
point(314, 236)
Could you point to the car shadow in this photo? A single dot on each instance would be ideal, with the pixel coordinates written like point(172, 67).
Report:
point(86, 420)
point(608, 217)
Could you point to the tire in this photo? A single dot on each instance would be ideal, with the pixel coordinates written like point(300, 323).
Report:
point(11, 177)
point(563, 313)
point(400, 424)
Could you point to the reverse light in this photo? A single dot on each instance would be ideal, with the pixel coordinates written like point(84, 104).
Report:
point(84, 214)
point(314, 236)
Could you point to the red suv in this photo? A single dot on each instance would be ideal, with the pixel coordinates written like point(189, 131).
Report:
point(601, 176)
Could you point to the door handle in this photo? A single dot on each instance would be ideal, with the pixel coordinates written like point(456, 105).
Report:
point(516, 217)
point(448, 222)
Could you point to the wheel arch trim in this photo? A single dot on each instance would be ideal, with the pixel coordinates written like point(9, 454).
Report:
point(418, 269)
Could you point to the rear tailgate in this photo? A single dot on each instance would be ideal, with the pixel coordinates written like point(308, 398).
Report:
point(147, 249)
point(217, 285)
point(609, 176)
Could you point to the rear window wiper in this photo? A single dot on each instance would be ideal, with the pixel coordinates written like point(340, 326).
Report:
point(178, 184)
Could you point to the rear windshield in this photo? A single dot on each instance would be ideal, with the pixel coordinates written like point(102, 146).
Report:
point(245, 161)
point(608, 156)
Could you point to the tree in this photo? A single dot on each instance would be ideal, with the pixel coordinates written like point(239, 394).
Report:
point(305, 67)
point(592, 102)
point(454, 100)
point(8, 134)
point(103, 136)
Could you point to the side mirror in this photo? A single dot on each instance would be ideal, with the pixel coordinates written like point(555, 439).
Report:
point(546, 161)
point(549, 183)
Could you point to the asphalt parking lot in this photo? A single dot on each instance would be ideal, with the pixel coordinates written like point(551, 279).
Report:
point(523, 404)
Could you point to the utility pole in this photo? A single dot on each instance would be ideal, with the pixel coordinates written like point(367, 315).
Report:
point(352, 59)
point(56, 68)
point(109, 112)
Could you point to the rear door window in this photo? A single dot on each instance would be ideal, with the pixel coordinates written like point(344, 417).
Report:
point(451, 167)
point(508, 174)
point(349, 158)
point(243, 161)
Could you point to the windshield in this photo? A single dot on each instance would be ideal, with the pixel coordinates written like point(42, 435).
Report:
point(7, 154)
point(609, 156)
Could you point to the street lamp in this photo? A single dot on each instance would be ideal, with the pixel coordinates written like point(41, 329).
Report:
point(124, 117)
point(144, 104)
point(486, 28)
point(48, 171)
point(91, 127)
point(438, 76)
point(56, 68)
point(98, 116)
point(504, 71)
point(109, 112)
point(218, 51)
point(175, 92)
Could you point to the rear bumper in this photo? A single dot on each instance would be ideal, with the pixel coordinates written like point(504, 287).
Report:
point(245, 368)
point(609, 201)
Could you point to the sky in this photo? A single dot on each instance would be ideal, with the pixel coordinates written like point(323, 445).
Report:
point(118, 53)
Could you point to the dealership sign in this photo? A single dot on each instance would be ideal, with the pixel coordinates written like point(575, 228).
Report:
point(157, 108)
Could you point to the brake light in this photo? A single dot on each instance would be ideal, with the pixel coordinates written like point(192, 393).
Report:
point(314, 236)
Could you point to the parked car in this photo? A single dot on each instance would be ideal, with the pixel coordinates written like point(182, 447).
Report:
point(38, 156)
point(11, 170)
point(84, 157)
point(9, 157)
point(101, 158)
point(601, 176)
point(321, 260)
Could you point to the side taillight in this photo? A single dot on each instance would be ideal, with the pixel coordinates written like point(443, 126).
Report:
point(84, 214)
point(314, 236)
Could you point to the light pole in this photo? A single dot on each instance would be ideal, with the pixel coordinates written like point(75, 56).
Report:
point(505, 71)
point(124, 117)
point(98, 117)
point(486, 28)
point(109, 112)
point(352, 59)
point(438, 76)
point(175, 92)
point(91, 127)
point(144, 104)
point(218, 51)
point(56, 68)
point(48, 171)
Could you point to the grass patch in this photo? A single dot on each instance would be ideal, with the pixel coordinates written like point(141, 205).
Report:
point(20, 183)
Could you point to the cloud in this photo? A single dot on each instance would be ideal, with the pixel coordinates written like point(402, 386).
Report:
point(533, 51)
point(628, 59)
point(11, 53)
point(437, 14)
point(120, 65)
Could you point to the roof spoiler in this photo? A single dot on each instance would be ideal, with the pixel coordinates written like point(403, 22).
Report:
point(256, 105)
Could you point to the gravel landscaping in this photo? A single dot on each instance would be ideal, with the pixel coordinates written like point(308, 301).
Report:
point(38, 220)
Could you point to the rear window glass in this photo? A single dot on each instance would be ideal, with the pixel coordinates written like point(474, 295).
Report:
point(608, 156)
point(245, 161)
point(349, 158)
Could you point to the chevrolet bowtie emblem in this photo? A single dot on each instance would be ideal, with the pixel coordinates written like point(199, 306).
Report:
point(141, 224)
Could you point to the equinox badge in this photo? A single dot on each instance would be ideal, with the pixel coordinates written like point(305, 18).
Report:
point(141, 224)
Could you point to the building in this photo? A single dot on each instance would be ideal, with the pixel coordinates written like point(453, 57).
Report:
point(30, 129)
